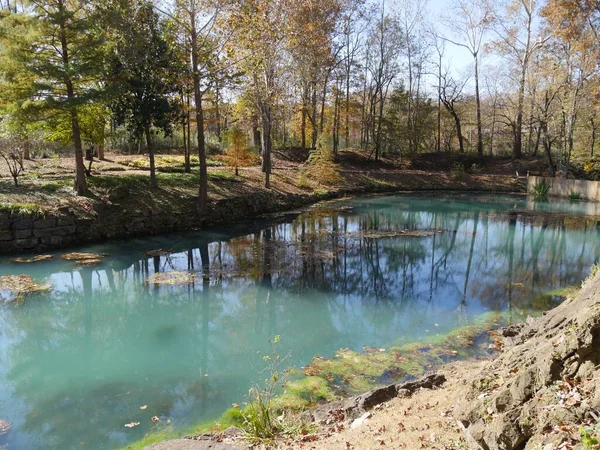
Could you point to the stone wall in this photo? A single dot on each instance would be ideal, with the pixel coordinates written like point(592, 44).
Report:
point(22, 233)
point(563, 187)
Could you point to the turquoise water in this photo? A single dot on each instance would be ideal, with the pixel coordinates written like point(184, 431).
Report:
point(77, 363)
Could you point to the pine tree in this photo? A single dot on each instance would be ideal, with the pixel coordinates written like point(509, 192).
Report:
point(54, 57)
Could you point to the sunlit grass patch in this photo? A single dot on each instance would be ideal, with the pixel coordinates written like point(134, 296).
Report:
point(32, 210)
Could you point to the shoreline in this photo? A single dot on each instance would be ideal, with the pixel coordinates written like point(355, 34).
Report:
point(116, 216)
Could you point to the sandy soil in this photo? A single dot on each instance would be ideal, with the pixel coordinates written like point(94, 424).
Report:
point(423, 421)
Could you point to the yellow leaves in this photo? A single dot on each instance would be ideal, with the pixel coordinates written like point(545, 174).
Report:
point(38, 258)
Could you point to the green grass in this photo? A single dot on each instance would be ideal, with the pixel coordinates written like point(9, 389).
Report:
point(172, 163)
point(54, 186)
point(23, 209)
point(163, 179)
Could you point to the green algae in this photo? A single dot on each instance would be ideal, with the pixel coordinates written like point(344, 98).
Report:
point(304, 392)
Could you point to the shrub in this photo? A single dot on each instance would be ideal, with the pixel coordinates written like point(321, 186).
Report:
point(260, 422)
point(476, 168)
point(540, 191)
point(321, 165)
point(238, 152)
point(458, 171)
point(575, 196)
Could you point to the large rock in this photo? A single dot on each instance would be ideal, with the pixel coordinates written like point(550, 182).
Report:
point(540, 381)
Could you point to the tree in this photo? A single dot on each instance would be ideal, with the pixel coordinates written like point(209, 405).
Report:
point(260, 29)
point(198, 19)
point(451, 96)
point(143, 73)
point(56, 52)
point(517, 41)
point(384, 47)
point(237, 151)
point(10, 153)
point(473, 18)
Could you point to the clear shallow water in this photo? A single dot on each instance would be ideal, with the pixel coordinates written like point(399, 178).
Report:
point(77, 363)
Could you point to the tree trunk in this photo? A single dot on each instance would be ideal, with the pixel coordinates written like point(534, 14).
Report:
point(27, 146)
point(303, 125)
point(478, 101)
point(203, 186)
point(148, 134)
point(548, 148)
point(218, 111)
point(266, 145)
point(313, 116)
point(439, 111)
point(80, 181)
point(593, 137)
point(461, 145)
point(101, 152)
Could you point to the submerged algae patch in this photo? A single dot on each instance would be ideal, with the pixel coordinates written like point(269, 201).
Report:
point(351, 372)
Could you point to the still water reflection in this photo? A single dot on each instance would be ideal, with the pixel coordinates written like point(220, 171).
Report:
point(77, 363)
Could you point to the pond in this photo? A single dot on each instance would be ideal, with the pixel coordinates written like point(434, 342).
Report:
point(77, 362)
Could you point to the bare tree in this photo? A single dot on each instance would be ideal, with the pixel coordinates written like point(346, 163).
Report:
point(451, 94)
point(472, 20)
point(515, 29)
point(10, 152)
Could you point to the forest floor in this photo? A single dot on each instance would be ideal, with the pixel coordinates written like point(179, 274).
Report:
point(47, 182)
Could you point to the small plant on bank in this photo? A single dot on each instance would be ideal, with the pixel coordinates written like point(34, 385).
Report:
point(590, 436)
point(14, 163)
point(575, 196)
point(476, 168)
point(238, 152)
point(321, 166)
point(458, 171)
point(541, 190)
point(261, 423)
point(595, 269)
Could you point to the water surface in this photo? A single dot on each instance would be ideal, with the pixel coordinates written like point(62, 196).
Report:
point(77, 363)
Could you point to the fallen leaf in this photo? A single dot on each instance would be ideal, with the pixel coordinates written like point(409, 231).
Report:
point(155, 419)
point(131, 424)
point(143, 407)
point(4, 426)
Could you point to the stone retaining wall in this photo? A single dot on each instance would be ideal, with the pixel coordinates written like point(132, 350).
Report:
point(21, 233)
point(563, 187)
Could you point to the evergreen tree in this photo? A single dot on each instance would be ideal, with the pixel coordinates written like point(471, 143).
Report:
point(52, 56)
point(143, 72)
